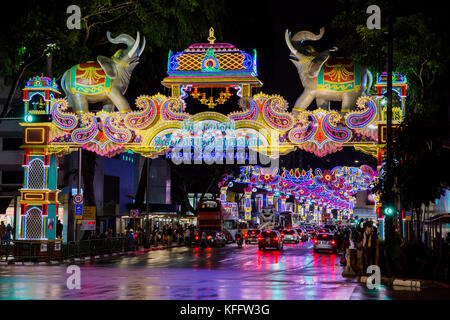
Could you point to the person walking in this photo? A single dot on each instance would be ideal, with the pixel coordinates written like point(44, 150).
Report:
point(367, 243)
point(188, 237)
point(203, 242)
point(169, 236)
point(59, 229)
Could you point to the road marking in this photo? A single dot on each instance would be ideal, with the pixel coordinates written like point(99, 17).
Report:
point(225, 259)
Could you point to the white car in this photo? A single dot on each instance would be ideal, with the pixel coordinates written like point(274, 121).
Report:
point(290, 235)
point(326, 242)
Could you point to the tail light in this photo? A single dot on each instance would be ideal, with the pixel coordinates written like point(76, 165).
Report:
point(209, 237)
point(259, 238)
point(282, 234)
point(246, 235)
point(316, 241)
point(333, 242)
point(196, 237)
point(276, 238)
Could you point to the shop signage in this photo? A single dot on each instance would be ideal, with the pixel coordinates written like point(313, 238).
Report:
point(88, 225)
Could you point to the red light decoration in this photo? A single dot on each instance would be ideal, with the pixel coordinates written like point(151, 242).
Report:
point(23, 209)
point(25, 159)
point(47, 160)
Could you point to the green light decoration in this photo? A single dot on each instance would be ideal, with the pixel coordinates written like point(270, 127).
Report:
point(388, 211)
point(28, 118)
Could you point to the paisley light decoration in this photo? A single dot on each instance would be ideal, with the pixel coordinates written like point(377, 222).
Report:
point(89, 131)
point(361, 119)
point(273, 109)
point(250, 110)
point(143, 118)
point(114, 130)
point(169, 110)
point(61, 118)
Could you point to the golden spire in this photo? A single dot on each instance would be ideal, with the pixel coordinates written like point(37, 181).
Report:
point(211, 38)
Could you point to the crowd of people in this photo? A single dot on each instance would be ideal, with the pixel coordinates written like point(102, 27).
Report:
point(369, 248)
point(155, 236)
point(6, 232)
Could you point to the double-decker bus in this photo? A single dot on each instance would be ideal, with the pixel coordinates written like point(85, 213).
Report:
point(215, 215)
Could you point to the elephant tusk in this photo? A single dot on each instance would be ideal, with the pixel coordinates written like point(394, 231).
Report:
point(135, 46)
point(142, 48)
point(288, 41)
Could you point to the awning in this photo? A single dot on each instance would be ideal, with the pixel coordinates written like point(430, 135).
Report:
point(439, 218)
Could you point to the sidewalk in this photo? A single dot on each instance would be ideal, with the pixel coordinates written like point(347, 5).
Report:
point(140, 250)
point(405, 282)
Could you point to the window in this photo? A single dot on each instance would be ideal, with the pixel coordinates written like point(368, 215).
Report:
point(33, 225)
point(36, 174)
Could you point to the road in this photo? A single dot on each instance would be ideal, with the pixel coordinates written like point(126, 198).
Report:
point(192, 273)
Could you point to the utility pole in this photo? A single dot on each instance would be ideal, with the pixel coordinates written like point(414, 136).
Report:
point(389, 150)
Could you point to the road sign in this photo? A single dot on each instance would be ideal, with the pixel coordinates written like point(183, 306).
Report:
point(78, 211)
point(134, 213)
point(89, 213)
point(78, 199)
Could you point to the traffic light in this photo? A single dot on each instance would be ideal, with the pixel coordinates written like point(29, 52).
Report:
point(36, 118)
point(388, 211)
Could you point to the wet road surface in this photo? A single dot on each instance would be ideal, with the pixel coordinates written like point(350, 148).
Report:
point(192, 273)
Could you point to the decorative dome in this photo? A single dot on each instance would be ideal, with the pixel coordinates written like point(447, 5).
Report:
point(212, 63)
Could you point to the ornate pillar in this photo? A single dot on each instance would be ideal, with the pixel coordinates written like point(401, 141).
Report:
point(223, 193)
point(39, 194)
point(283, 203)
point(270, 199)
point(248, 203)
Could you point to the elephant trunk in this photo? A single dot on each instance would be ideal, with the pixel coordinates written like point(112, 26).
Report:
point(308, 35)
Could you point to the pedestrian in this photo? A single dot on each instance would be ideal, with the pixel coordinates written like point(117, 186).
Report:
point(188, 237)
point(367, 242)
point(169, 236)
point(59, 229)
point(203, 242)
point(2, 230)
point(9, 231)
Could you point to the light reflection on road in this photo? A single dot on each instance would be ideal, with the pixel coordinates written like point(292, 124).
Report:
point(193, 273)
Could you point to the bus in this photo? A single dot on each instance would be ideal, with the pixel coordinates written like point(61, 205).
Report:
point(215, 215)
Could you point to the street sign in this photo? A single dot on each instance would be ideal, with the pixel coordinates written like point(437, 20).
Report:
point(78, 211)
point(89, 213)
point(134, 213)
point(78, 199)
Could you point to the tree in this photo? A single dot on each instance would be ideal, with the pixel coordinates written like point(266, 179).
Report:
point(36, 30)
point(421, 52)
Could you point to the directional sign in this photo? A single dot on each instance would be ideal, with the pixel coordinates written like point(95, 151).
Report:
point(78, 211)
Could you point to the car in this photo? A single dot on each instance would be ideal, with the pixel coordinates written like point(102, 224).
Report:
point(302, 234)
point(270, 239)
point(251, 236)
point(311, 232)
point(325, 241)
point(213, 238)
point(290, 235)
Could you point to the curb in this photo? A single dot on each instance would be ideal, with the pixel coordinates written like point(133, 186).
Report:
point(413, 283)
point(86, 259)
